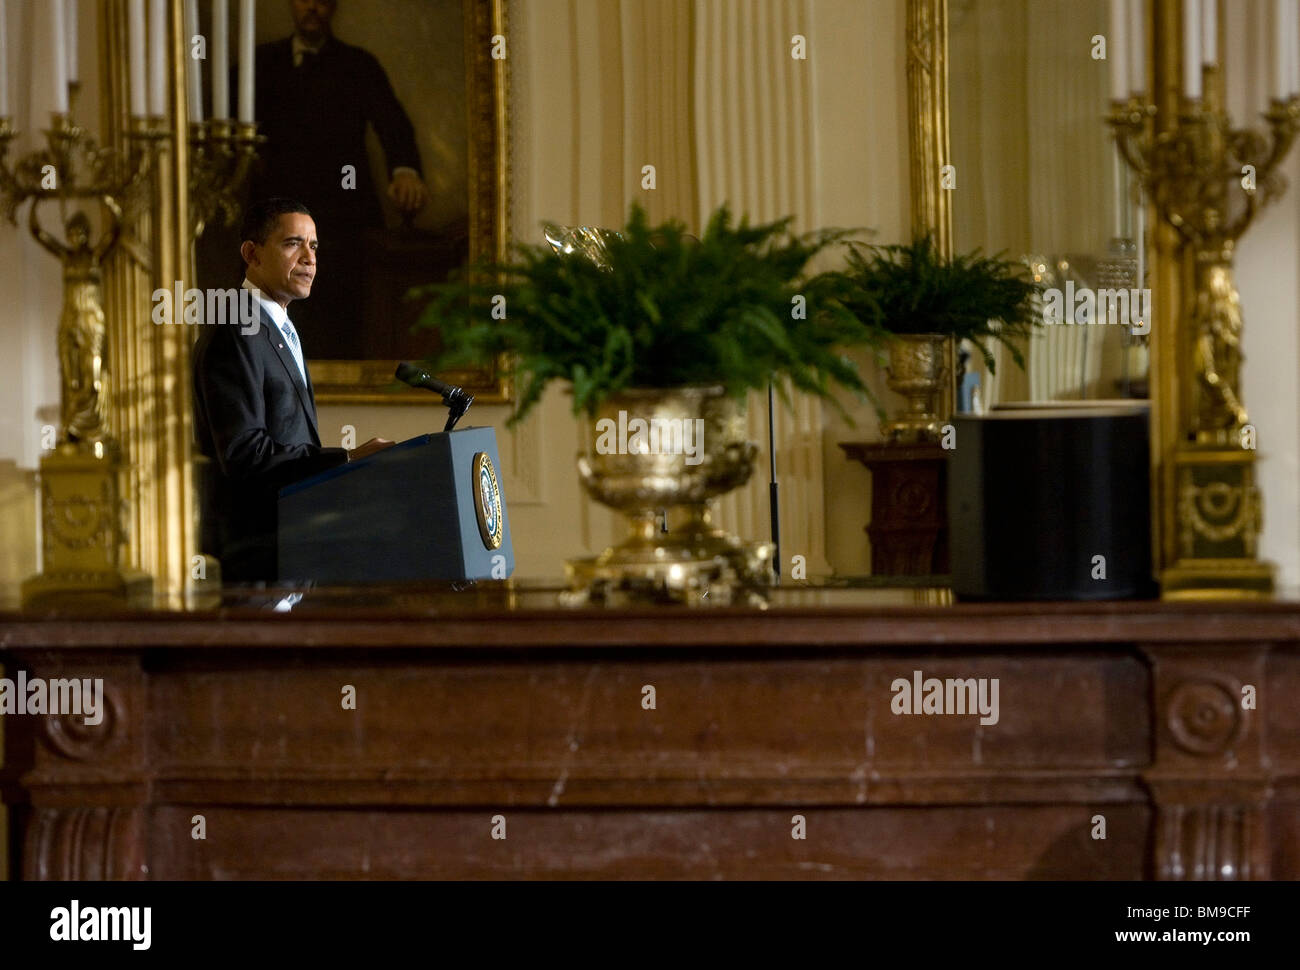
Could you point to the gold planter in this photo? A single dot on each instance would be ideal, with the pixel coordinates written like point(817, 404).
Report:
point(661, 455)
point(916, 371)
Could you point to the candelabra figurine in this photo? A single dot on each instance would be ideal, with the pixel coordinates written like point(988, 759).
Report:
point(1208, 180)
point(81, 476)
point(82, 334)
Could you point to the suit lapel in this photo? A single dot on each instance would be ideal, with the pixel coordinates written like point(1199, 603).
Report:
point(274, 334)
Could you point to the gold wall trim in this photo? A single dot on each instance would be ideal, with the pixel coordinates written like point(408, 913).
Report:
point(149, 410)
point(1170, 268)
point(927, 118)
point(927, 140)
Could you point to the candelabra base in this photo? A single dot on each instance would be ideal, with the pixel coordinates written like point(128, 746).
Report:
point(92, 590)
point(82, 534)
point(1217, 579)
point(1218, 522)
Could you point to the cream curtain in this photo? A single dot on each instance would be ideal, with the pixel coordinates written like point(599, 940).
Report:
point(757, 148)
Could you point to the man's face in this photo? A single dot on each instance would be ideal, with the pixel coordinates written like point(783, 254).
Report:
point(311, 18)
point(284, 266)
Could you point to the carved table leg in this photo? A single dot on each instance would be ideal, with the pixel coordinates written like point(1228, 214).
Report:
point(88, 784)
point(85, 843)
point(1209, 776)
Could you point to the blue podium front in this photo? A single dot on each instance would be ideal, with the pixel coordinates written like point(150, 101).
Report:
point(431, 507)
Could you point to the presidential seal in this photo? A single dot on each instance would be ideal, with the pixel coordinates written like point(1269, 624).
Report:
point(487, 500)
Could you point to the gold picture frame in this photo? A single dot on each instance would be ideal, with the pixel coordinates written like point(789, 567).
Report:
point(366, 381)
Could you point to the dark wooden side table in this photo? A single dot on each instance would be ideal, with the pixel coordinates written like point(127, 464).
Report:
point(909, 507)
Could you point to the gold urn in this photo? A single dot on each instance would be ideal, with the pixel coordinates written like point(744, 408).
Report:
point(660, 456)
point(917, 364)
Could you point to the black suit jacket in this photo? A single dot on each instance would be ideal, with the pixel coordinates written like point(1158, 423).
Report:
point(255, 418)
point(314, 118)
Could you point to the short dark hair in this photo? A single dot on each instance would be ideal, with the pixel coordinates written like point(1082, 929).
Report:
point(260, 218)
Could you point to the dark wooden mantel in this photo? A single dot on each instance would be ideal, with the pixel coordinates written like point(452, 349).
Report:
point(493, 704)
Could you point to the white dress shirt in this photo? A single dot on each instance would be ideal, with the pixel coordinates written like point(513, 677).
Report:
point(280, 317)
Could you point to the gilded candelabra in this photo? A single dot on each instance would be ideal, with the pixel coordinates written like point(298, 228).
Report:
point(222, 154)
point(1207, 180)
point(82, 476)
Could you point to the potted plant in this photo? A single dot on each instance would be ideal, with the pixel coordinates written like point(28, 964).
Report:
point(922, 299)
point(659, 336)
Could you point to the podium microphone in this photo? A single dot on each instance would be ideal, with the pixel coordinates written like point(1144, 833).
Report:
point(455, 398)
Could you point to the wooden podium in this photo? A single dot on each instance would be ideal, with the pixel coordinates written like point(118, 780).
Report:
point(430, 507)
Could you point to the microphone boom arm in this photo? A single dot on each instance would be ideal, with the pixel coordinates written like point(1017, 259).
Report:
point(454, 398)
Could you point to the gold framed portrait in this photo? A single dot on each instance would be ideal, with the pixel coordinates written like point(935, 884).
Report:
point(420, 90)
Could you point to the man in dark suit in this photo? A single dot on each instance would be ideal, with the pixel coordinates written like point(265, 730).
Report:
point(315, 96)
point(254, 408)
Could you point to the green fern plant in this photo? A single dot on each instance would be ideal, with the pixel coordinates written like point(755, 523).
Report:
point(665, 311)
point(910, 289)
